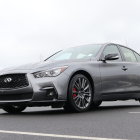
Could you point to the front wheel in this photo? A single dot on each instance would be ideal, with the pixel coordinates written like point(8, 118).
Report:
point(79, 94)
point(14, 109)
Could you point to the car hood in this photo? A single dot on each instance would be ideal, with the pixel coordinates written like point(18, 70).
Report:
point(33, 67)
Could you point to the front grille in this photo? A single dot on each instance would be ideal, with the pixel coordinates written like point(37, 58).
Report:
point(9, 81)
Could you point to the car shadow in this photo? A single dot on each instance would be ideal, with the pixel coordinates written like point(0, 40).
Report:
point(63, 112)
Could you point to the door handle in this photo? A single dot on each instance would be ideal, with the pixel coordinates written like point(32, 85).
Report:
point(124, 68)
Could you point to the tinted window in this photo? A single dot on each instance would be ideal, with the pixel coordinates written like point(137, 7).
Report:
point(128, 54)
point(112, 49)
point(137, 56)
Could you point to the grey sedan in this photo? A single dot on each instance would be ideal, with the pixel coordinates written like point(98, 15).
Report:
point(76, 79)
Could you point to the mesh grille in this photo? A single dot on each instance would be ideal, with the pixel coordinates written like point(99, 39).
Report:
point(13, 81)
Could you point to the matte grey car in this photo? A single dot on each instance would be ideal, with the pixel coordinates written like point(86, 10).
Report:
point(77, 79)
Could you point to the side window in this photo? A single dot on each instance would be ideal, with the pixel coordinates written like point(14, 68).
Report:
point(129, 55)
point(112, 49)
point(137, 56)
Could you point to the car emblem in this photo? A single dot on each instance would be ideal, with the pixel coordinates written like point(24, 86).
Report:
point(8, 80)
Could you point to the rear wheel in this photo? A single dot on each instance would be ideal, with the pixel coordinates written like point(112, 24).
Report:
point(14, 109)
point(79, 94)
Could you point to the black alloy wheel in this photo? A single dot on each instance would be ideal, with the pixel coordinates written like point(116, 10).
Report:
point(79, 94)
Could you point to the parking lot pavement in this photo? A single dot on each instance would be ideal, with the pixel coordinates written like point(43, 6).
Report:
point(113, 120)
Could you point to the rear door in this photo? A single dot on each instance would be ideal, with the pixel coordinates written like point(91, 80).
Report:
point(132, 66)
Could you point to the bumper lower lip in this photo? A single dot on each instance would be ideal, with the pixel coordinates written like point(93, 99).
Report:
point(54, 104)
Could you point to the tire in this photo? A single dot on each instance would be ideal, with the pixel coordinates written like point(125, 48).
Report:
point(80, 94)
point(14, 109)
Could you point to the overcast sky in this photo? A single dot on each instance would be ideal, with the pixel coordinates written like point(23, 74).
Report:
point(34, 29)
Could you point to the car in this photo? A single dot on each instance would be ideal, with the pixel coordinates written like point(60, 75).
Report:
point(77, 79)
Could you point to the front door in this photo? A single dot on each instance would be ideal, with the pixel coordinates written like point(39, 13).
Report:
point(113, 76)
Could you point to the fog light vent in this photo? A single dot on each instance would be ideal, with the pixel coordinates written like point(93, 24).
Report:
point(51, 93)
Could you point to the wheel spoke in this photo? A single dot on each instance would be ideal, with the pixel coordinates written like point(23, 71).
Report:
point(83, 102)
point(76, 100)
point(86, 100)
point(87, 96)
point(77, 86)
point(83, 83)
point(86, 87)
point(79, 102)
point(79, 79)
point(86, 93)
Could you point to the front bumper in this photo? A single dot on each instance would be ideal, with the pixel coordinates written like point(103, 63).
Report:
point(41, 91)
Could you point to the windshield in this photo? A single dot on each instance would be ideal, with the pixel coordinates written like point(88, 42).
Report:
point(81, 52)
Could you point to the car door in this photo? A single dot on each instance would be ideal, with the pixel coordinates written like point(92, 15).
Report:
point(113, 74)
point(133, 70)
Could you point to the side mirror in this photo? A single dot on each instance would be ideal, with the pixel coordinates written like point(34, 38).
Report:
point(111, 57)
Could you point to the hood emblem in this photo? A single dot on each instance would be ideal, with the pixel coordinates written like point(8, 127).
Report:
point(8, 80)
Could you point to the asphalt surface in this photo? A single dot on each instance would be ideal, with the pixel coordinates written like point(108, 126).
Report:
point(116, 120)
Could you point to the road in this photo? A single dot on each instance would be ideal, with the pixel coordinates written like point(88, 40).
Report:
point(113, 120)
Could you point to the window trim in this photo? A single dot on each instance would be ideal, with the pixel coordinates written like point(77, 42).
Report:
point(136, 56)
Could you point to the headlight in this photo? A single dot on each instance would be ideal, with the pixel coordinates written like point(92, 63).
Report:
point(50, 73)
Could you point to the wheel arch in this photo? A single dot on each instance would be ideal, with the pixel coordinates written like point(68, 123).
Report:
point(85, 73)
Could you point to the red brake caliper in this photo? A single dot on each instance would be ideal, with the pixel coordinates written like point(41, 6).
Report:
point(74, 94)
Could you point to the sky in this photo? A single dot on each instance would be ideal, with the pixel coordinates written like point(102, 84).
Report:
point(32, 30)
